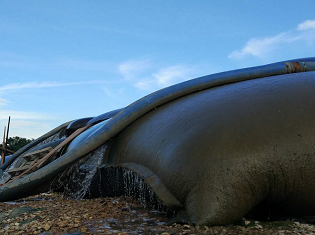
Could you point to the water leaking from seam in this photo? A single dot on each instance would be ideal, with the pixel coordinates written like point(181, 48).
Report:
point(76, 180)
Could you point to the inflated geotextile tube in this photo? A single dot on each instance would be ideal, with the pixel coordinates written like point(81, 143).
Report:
point(103, 132)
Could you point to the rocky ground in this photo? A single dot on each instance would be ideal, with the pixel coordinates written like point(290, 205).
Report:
point(53, 214)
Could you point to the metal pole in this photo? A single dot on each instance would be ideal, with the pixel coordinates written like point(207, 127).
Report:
point(3, 145)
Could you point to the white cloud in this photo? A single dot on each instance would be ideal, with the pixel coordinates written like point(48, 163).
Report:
point(4, 114)
point(3, 102)
point(20, 61)
point(166, 76)
point(16, 86)
point(108, 92)
point(23, 123)
point(133, 68)
point(308, 24)
point(26, 124)
point(148, 76)
point(257, 47)
point(145, 84)
point(114, 94)
point(26, 128)
point(90, 65)
point(170, 75)
point(263, 47)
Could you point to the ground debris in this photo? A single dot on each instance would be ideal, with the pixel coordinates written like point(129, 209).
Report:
point(54, 214)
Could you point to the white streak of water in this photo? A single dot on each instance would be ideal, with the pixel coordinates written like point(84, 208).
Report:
point(80, 174)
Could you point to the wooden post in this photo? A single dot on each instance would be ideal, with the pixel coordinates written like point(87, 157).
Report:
point(3, 145)
point(6, 141)
point(7, 150)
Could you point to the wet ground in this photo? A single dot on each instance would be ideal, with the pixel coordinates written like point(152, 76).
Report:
point(51, 213)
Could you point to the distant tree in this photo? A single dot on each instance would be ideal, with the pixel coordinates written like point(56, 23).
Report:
point(15, 143)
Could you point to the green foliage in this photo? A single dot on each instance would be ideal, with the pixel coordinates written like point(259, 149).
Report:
point(15, 143)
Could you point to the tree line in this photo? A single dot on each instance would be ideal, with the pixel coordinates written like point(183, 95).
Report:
point(15, 143)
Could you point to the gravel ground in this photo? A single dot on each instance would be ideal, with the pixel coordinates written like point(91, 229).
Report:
point(53, 214)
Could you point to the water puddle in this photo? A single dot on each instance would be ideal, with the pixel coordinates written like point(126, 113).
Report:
point(138, 220)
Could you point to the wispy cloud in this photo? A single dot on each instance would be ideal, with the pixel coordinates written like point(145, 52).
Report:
point(170, 75)
point(89, 65)
point(150, 75)
point(21, 61)
point(145, 84)
point(28, 85)
point(133, 68)
point(23, 123)
point(166, 76)
point(308, 24)
point(115, 94)
point(3, 102)
point(20, 115)
point(263, 47)
point(26, 128)
point(144, 76)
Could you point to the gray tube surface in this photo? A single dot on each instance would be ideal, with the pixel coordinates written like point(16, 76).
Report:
point(141, 107)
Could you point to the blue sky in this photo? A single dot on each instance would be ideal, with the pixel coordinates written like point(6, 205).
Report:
point(63, 60)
